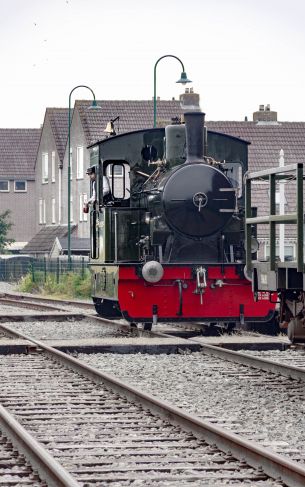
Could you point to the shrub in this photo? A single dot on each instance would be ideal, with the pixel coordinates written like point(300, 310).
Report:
point(70, 285)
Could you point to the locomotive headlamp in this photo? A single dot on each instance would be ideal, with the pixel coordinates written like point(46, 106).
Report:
point(152, 271)
point(248, 274)
point(254, 245)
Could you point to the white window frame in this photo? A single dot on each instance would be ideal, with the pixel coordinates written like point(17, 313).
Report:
point(109, 173)
point(45, 168)
point(42, 211)
point(20, 190)
point(8, 186)
point(53, 169)
point(277, 250)
point(53, 212)
point(83, 198)
point(79, 162)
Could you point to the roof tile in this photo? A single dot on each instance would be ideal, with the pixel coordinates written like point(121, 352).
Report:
point(18, 151)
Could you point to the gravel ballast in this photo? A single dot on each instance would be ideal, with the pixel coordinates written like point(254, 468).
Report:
point(255, 404)
point(65, 330)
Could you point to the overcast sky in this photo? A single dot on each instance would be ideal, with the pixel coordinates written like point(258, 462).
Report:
point(238, 53)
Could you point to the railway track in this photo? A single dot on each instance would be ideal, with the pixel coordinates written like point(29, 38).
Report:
point(51, 303)
point(14, 469)
point(224, 423)
point(258, 399)
point(104, 431)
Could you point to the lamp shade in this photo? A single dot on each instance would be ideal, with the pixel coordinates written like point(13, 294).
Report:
point(183, 79)
point(94, 105)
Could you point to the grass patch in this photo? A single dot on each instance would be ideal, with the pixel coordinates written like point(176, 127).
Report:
point(70, 285)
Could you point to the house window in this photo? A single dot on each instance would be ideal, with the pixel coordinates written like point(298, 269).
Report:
point(80, 162)
point(288, 252)
point(4, 186)
point(83, 217)
point(20, 186)
point(42, 211)
point(45, 167)
point(53, 210)
point(53, 167)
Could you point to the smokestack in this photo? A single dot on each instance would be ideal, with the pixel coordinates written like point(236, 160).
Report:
point(194, 127)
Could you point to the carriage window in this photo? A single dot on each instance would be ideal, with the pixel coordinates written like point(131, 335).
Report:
point(118, 177)
point(116, 170)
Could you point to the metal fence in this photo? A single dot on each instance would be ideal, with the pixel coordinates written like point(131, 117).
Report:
point(13, 268)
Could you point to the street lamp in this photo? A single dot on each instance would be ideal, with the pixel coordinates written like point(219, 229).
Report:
point(183, 80)
point(94, 105)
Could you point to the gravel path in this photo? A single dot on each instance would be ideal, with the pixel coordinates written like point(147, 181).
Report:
point(224, 393)
point(6, 287)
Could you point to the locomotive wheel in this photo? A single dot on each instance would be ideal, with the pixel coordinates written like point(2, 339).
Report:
point(107, 309)
point(147, 326)
point(296, 330)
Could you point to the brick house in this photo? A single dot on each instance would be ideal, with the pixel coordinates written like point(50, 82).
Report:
point(18, 151)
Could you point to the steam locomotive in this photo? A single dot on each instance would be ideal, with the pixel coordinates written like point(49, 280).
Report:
point(167, 244)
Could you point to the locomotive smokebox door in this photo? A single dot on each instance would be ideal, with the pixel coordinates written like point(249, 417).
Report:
point(198, 200)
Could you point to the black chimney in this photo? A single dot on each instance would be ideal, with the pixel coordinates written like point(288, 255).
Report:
point(194, 127)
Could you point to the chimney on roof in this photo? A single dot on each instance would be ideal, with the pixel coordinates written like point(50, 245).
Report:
point(190, 101)
point(264, 114)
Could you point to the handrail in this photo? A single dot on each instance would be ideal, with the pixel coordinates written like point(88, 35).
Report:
point(274, 174)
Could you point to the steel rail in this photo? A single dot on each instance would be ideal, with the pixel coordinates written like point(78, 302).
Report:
point(25, 297)
point(49, 469)
point(23, 300)
point(258, 363)
point(28, 303)
point(272, 463)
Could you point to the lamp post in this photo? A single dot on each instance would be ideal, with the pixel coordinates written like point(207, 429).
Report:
point(183, 80)
point(94, 105)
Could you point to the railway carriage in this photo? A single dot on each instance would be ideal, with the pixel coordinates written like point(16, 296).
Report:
point(168, 243)
point(286, 278)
